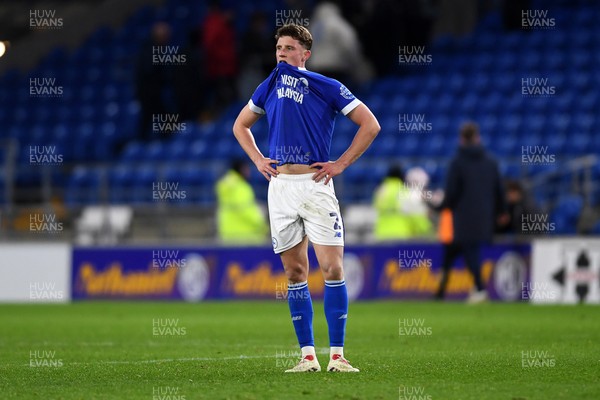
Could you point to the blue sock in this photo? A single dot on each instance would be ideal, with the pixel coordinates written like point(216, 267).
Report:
point(301, 310)
point(336, 311)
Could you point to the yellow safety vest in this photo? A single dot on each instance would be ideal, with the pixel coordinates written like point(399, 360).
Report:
point(391, 223)
point(239, 218)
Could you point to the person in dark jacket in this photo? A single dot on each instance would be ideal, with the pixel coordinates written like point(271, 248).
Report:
point(519, 203)
point(152, 80)
point(218, 44)
point(474, 194)
point(190, 82)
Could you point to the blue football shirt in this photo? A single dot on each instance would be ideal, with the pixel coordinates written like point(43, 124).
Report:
point(301, 107)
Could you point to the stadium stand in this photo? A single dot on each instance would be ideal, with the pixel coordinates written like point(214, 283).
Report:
point(477, 77)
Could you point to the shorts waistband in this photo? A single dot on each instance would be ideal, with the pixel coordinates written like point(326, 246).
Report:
point(295, 177)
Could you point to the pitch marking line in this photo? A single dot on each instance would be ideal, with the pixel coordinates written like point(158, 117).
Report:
point(323, 350)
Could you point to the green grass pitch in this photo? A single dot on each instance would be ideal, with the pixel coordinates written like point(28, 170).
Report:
point(238, 350)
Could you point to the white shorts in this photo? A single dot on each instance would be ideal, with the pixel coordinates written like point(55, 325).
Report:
point(299, 206)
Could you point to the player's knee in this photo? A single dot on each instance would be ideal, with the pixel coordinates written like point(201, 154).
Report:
point(296, 272)
point(332, 272)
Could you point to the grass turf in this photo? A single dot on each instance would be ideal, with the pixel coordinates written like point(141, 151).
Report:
point(238, 350)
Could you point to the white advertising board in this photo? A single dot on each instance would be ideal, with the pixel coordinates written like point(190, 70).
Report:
point(35, 272)
point(565, 271)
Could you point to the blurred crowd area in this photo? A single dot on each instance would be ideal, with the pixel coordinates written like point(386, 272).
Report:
point(125, 131)
point(232, 49)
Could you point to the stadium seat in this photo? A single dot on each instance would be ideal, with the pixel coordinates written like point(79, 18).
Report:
point(146, 176)
point(156, 151)
point(109, 222)
point(477, 76)
point(566, 213)
point(133, 152)
point(84, 186)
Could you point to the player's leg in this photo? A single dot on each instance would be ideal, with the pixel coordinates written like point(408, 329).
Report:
point(335, 303)
point(335, 294)
point(323, 226)
point(290, 242)
point(472, 256)
point(450, 252)
point(295, 264)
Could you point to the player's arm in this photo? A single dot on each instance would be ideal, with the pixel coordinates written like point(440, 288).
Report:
point(243, 134)
point(368, 128)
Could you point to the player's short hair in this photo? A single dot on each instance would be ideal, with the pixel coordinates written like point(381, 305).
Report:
point(469, 132)
point(297, 32)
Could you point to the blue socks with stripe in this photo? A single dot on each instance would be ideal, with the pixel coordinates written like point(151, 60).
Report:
point(301, 310)
point(336, 311)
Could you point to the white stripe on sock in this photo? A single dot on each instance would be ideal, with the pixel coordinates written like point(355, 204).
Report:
point(296, 286)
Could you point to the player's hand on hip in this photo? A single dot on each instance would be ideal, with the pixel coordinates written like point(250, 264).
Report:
point(328, 170)
point(264, 167)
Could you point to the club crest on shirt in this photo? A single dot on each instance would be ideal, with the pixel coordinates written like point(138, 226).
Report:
point(345, 93)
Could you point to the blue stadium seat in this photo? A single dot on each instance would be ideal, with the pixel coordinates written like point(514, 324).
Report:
point(206, 130)
point(510, 170)
point(566, 214)
point(555, 142)
point(202, 182)
point(198, 150)
point(134, 151)
point(84, 186)
point(177, 150)
point(485, 41)
point(578, 144)
point(156, 151)
point(596, 229)
point(477, 76)
point(146, 175)
point(121, 178)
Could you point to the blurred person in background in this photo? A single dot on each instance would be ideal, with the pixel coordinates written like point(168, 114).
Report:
point(383, 20)
point(152, 81)
point(258, 51)
point(218, 42)
point(337, 50)
point(391, 223)
point(446, 237)
point(239, 218)
point(415, 205)
point(401, 22)
point(189, 81)
point(512, 14)
point(456, 17)
point(475, 196)
point(519, 203)
point(401, 210)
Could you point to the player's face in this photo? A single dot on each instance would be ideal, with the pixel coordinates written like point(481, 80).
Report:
point(291, 51)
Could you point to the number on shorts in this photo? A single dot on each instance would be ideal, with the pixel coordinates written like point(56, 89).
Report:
point(336, 225)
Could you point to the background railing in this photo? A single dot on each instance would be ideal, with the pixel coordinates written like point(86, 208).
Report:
point(165, 207)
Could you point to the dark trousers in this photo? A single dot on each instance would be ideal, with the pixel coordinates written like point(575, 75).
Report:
point(151, 104)
point(471, 253)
